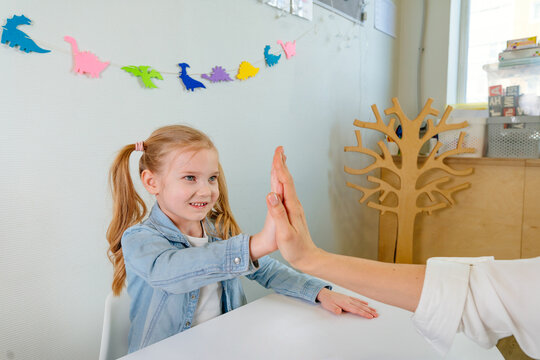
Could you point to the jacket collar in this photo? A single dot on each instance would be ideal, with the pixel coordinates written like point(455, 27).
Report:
point(166, 227)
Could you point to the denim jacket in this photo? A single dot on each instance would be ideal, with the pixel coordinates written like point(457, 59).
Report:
point(164, 274)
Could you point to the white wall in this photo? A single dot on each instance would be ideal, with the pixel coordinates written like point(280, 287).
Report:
point(60, 132)
point(439, 66)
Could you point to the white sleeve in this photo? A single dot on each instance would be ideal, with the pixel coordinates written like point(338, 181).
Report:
point(503, 300)
point(484, 298)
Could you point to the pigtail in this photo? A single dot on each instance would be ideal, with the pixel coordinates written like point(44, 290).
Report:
point(128, 209)
point(221, 216)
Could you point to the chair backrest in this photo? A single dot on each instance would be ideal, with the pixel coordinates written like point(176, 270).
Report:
point(114, 337)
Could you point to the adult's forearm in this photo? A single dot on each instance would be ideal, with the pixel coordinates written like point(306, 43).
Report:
point(394, 284)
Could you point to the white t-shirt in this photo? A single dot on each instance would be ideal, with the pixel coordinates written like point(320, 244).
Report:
point(209, 305)
point(484, 298)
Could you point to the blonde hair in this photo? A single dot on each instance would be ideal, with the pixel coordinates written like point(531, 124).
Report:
point(129, 208)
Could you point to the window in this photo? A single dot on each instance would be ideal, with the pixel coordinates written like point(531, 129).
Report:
point(491, 23)
point(535, 12)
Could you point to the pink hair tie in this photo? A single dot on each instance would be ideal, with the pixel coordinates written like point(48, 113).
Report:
point(139, 146)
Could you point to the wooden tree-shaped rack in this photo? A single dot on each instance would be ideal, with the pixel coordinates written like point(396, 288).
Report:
point(407, 193)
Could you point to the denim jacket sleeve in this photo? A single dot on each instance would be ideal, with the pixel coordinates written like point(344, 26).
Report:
point(287, 281)
point(152, 257)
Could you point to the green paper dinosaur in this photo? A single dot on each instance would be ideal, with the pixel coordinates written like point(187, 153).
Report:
point(144, 74)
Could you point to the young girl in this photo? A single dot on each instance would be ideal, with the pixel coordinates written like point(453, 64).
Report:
point(183, 262)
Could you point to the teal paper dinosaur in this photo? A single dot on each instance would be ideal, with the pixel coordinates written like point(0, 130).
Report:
point(13, 36)
point(271, 59)
point(144, 74)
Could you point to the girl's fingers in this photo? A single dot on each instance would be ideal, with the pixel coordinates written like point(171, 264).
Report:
point(273, 181)
point(333, 308)
point(275, 184)
point(358, 301)
point(371, 313)
point(332, 300)
point(283, 175)
point(357, 307)
point(367, 314)
point(290, 198)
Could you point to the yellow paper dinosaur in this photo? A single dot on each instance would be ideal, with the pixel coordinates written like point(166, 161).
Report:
point(246, 70)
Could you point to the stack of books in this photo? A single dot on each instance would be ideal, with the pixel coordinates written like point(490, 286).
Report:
point(520, 51)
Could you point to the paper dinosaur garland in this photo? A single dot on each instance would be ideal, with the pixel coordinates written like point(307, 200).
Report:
point(289, 48)
point(16, 37)
point(85, 61)
point(270, 59)
point(145, 75)
point(246, 70)
point(218, 74)
point(189, 82)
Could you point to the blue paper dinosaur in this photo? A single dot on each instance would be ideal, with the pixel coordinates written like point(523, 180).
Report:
point(271, 59)
point(189, 82)
point(15, 37)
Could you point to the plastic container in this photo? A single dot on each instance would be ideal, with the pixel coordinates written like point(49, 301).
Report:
point(474, 133)
point(514, 137)
point(519, 78)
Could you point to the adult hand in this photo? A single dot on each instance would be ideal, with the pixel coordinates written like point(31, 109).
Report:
point(292, 234)
point(395, 284)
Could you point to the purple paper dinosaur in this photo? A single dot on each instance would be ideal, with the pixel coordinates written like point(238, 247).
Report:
point(218, 74)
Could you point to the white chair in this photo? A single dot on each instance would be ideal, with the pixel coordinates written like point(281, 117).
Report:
point(114, 337)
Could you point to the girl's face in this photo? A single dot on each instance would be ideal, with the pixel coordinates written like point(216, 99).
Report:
point(187, 188)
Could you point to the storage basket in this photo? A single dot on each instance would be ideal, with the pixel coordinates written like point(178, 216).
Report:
point(474, 133)
point(514, 137)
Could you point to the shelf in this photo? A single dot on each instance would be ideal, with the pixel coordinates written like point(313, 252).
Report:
point(482, 161)
point(497, 215)
point(513, 119)
point(510, 65)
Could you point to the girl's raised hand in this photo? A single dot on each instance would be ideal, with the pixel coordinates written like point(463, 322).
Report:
point(275, 185)
point(264, 242)
point(337, 303)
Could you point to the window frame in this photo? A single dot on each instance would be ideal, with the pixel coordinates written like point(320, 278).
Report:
point(463, 55)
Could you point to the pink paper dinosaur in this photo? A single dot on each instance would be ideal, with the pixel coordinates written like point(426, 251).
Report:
point(85, 62)
point(289, 48)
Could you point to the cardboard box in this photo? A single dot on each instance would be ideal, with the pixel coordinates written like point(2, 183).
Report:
point(512, 90)
point(509, 101)
point(495, 90)
point(519, 54)
point(495, 105)
point(509, 111)
point(522, 43)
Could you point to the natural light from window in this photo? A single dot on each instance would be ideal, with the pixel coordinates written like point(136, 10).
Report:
point(491, 23)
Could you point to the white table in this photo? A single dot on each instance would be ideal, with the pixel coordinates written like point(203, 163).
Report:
point(280, 327)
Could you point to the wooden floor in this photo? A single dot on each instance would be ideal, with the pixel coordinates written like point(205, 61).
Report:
point(510, 349)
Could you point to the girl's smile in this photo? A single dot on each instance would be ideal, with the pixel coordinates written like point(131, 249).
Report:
point(199, 205)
